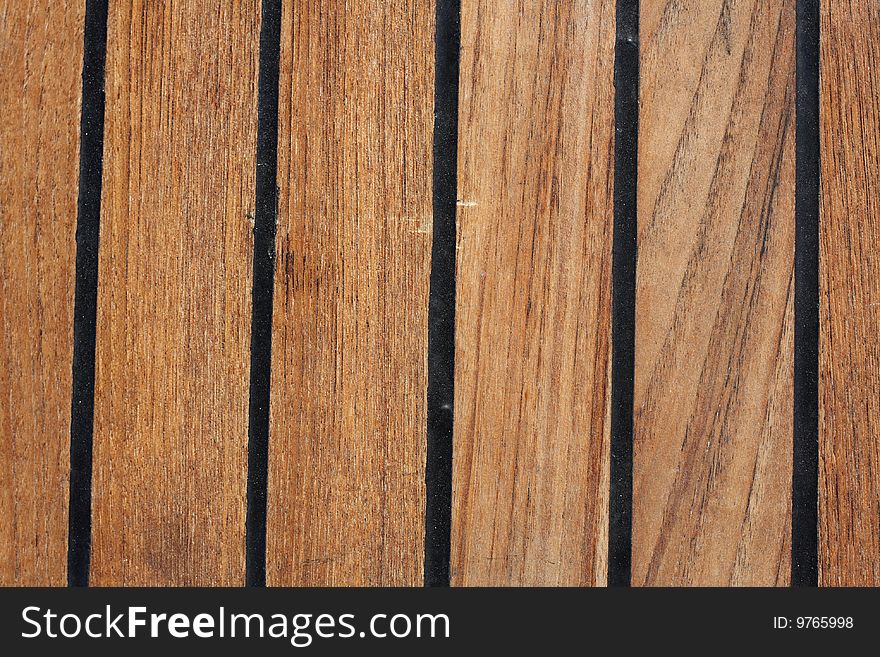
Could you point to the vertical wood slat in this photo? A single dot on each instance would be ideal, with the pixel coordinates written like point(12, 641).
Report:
point(849, 407)
point(41, 49)
point(348, 408)
point(531, 439)
point(173, 326)
point(714, 332)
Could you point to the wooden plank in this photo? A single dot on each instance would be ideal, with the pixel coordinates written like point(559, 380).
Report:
point(173, 331)
point(349, 351)
point(531, 439)
point(41, 46)
point(713, 384)
point(849, 407)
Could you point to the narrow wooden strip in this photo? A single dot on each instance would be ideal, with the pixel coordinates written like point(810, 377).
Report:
point(40, 81)
point(849, 484)
point(530, 466)
point(713, 384)
point(349, 345)
point(171, 394)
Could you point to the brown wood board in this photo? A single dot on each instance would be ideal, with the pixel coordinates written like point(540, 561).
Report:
point(349, 345)
point(174, 294)
point(531, 436)
point(849, 404)
point(41, 46)
point(714, 297)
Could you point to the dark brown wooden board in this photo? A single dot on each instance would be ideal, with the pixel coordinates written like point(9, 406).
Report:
point(849, 339)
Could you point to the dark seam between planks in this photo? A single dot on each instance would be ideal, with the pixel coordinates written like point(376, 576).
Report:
point(266, 211)
point(805, 465)
point(623, 285)
point(88, 216)
point(441, 304)
point(91, 160)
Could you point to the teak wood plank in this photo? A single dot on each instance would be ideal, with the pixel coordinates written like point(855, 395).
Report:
point(714, 296)
point(849, 274)
point(531, 435)
point(174, 294)
point(41, 52)
point(348, 407)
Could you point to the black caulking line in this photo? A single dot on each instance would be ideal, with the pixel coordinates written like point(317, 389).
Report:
point(623, 300)
point(441, 311)
point(88, 216)
point(805, 474)
point(264, 270)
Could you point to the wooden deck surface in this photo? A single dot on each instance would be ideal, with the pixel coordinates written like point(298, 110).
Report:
point(712, 432)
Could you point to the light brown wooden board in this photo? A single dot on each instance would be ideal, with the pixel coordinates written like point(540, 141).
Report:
point(531, 453)
point(40, 87)
point(349, 346)
point(174, 293)
point(714, 297)
point(849, 390)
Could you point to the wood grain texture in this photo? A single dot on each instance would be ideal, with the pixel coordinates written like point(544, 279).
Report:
point(40, 86)
point(531, 446)
point(174, 294)
point(714, 299)
point(849, 362)
point(349, 351)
